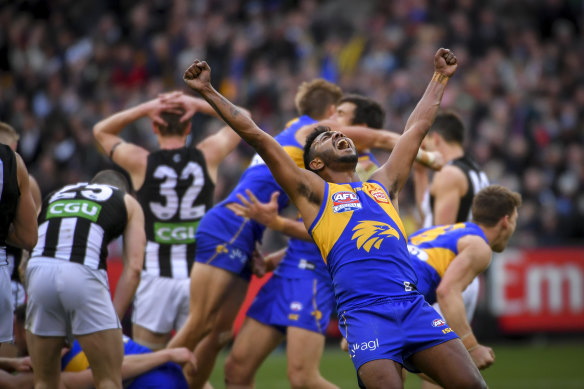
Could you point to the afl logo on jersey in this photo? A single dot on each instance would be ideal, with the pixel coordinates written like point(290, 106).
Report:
point(345, 201)
point(379, 196)
point(438, 323)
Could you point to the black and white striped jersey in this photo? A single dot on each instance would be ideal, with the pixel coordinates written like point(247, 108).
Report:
point(78, 222)
point(9, 195)
point(477, 180)
point(176, 193)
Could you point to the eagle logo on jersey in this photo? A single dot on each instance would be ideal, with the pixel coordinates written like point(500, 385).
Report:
point(370, 233)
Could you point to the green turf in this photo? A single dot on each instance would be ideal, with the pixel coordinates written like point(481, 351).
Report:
point(516, 367)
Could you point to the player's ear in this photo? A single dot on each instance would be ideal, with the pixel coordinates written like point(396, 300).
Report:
point(155, 128)
point(316, 164)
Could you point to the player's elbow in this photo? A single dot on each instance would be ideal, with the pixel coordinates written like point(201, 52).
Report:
point(26, 240)
point(443, 292)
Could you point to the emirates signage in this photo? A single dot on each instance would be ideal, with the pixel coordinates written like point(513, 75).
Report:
point(538, 289)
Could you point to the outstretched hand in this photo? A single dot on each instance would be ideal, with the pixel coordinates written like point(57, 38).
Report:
point(445, 62)
point(198, 75)
point(264, 213)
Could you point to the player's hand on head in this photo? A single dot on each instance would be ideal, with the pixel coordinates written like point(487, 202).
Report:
point(445, 62)
point(437, 160)
point(198, 75)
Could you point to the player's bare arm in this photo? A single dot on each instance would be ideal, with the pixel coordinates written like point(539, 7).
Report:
point(133, 256)
point(473, 258)
point(448, 187)
point(304, 187)
point(267, 214)
point(24, 228)
point(394, 173)
point(216, 147)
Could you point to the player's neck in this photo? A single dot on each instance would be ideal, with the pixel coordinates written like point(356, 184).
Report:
point(451, 152)
point(171, 142)
point(340, 177)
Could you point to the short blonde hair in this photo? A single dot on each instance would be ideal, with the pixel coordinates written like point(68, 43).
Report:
point(315, 97)
point(7, 134)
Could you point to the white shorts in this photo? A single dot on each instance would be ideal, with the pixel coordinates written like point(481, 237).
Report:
point(470, 296)
point(161, 304)
point(67, 298)
point(6, 305)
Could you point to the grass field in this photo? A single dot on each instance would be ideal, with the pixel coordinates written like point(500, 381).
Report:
point(516, 367)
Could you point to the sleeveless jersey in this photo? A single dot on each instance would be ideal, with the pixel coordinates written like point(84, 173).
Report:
point(9, 196)
point(257, 178)
point(363, 241)
point(176, 193)
point(78, 222)
point(302, 255)
point(433, 249)
point(476, 179)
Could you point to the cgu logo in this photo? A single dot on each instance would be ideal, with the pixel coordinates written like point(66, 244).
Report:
point(371, 345)
point(74, 208)
point(175, 233)
point(345, 197)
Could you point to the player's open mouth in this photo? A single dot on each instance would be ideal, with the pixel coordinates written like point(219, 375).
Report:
point(343, 144)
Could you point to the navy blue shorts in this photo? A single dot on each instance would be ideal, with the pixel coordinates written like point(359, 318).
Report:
point(298, 302)
point(394, 329)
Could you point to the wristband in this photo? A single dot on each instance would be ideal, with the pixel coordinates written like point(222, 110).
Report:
point(441, 78)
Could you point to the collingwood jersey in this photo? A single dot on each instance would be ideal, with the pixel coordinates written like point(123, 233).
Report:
point(476, 179)
point(176, 193)
point(78, 222)
point(9, 195)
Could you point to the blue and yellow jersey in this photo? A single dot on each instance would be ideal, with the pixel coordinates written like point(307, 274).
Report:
point(363, 241)
point(433, 249)
point(75, 359)
point(302, 255)
point(258, 178)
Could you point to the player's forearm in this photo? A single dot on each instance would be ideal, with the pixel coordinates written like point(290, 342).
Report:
point(293, 228)
point(125, 290)
point(423, 115)
point(452, 307)
point(115, 123)
point(136, 364)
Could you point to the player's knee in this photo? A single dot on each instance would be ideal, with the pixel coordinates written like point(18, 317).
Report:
point(471, 381)
point(235, 370)
point(301, 377)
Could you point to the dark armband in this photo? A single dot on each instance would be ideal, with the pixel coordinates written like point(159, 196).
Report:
point(111, 153)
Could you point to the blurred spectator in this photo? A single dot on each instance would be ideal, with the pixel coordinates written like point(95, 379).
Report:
point(66, 64)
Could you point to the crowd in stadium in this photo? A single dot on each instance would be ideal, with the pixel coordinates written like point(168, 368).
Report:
point(66, 64)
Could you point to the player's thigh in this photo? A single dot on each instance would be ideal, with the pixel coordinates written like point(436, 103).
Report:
point(449, 364)
point(209, 286)
point(381, 374)
point(254, 342)
point(104, 351)
point(45, 352)
point(303, 348)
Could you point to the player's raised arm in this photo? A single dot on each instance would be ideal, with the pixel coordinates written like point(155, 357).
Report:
point(394, 173)
point(301, 185)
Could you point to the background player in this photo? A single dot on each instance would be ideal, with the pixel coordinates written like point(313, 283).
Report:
point(174, 186)
point(67, 287)
point(449, 257)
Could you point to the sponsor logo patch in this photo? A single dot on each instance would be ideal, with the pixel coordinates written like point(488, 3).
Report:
point(296, 306)
point(175, 233)
point(74, 208)
point(371, 345)
point(379, 196)
point(345, 201)
point(438, 323)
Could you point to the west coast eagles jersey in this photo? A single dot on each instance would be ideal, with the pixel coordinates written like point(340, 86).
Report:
point(363, 241)
point(433, 249)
